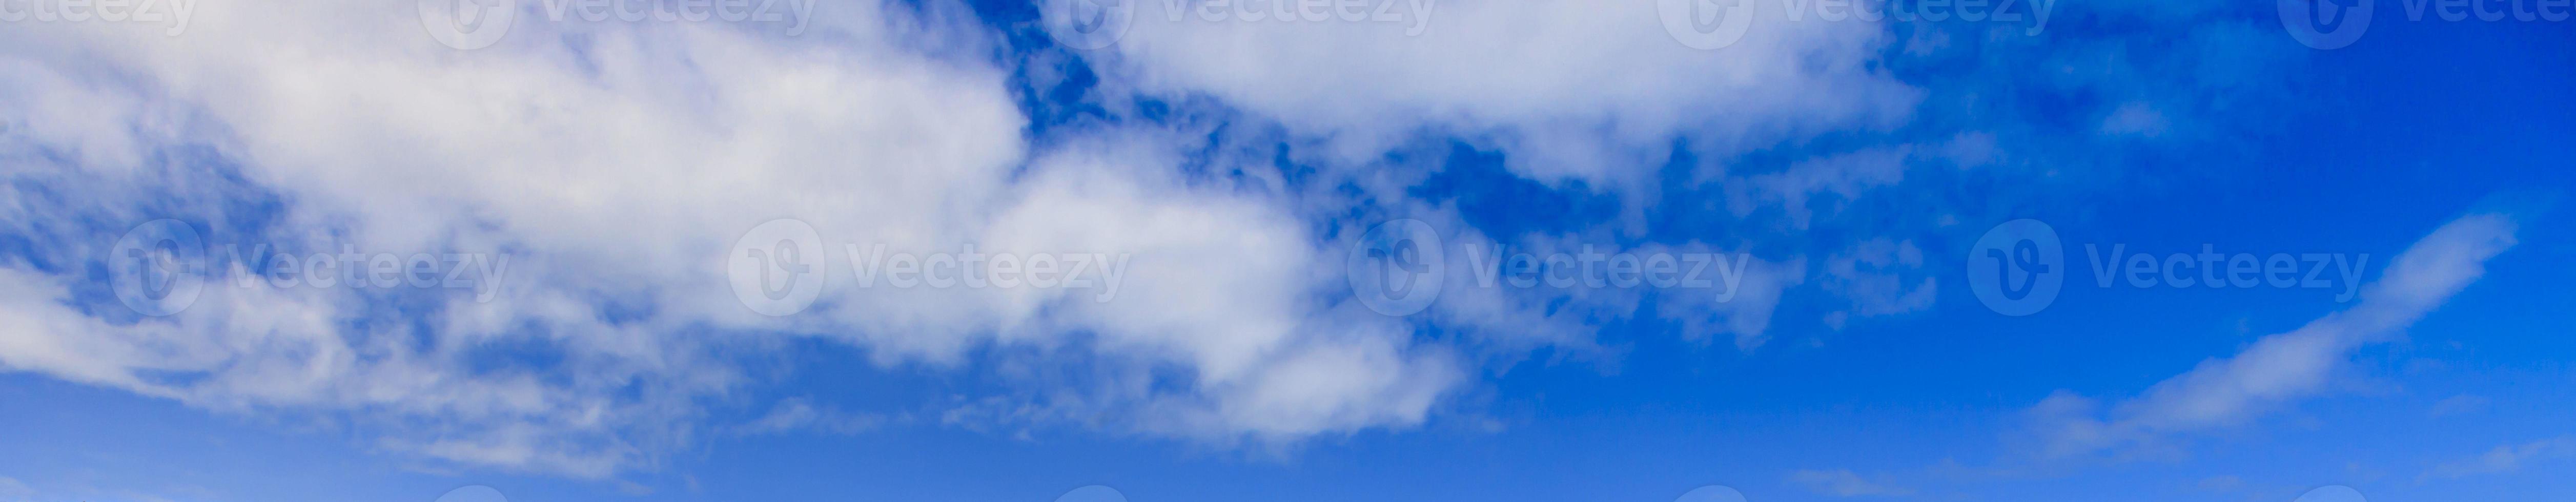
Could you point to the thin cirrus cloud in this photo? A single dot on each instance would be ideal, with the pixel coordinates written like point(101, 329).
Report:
point(2279, 369)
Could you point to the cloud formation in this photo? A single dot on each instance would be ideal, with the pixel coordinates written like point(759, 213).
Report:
point(615, 163)
point(1570, 90)
point(2277, 370)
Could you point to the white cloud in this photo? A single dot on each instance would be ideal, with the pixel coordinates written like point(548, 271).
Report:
point(2279, 369)
point(2504, 459)
point(1874, 275)
point(1569, 89)
point(800, 414)
point(13, 491)
point(615, 163)
point(1846, 176)
point(2459, 405)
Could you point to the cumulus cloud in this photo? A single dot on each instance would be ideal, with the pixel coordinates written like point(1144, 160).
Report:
point(2282, 368)
point(605, 168)
point(615, 164)
point(1571, 90)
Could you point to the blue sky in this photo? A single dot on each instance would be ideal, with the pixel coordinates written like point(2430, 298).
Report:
point(1229, 177)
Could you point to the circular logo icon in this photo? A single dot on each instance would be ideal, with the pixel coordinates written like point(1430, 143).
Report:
point(2333, 493)
point(2018, 267)
point(777, 268)
point(1093, 493)
point(1089, 24)
point(2325, 24)
point(1705, 24)
point(1711, 493)
point(473, 493)
point(158, 268)
point(1397, 268)
point(468, 24)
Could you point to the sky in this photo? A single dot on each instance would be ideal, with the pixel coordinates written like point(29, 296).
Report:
point(1368, 250)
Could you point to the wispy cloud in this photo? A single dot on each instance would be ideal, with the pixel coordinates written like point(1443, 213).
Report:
point(11, 490)
point(2458, 405)
point(2282, 368)
point(2504, 459)
point(800, 414)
